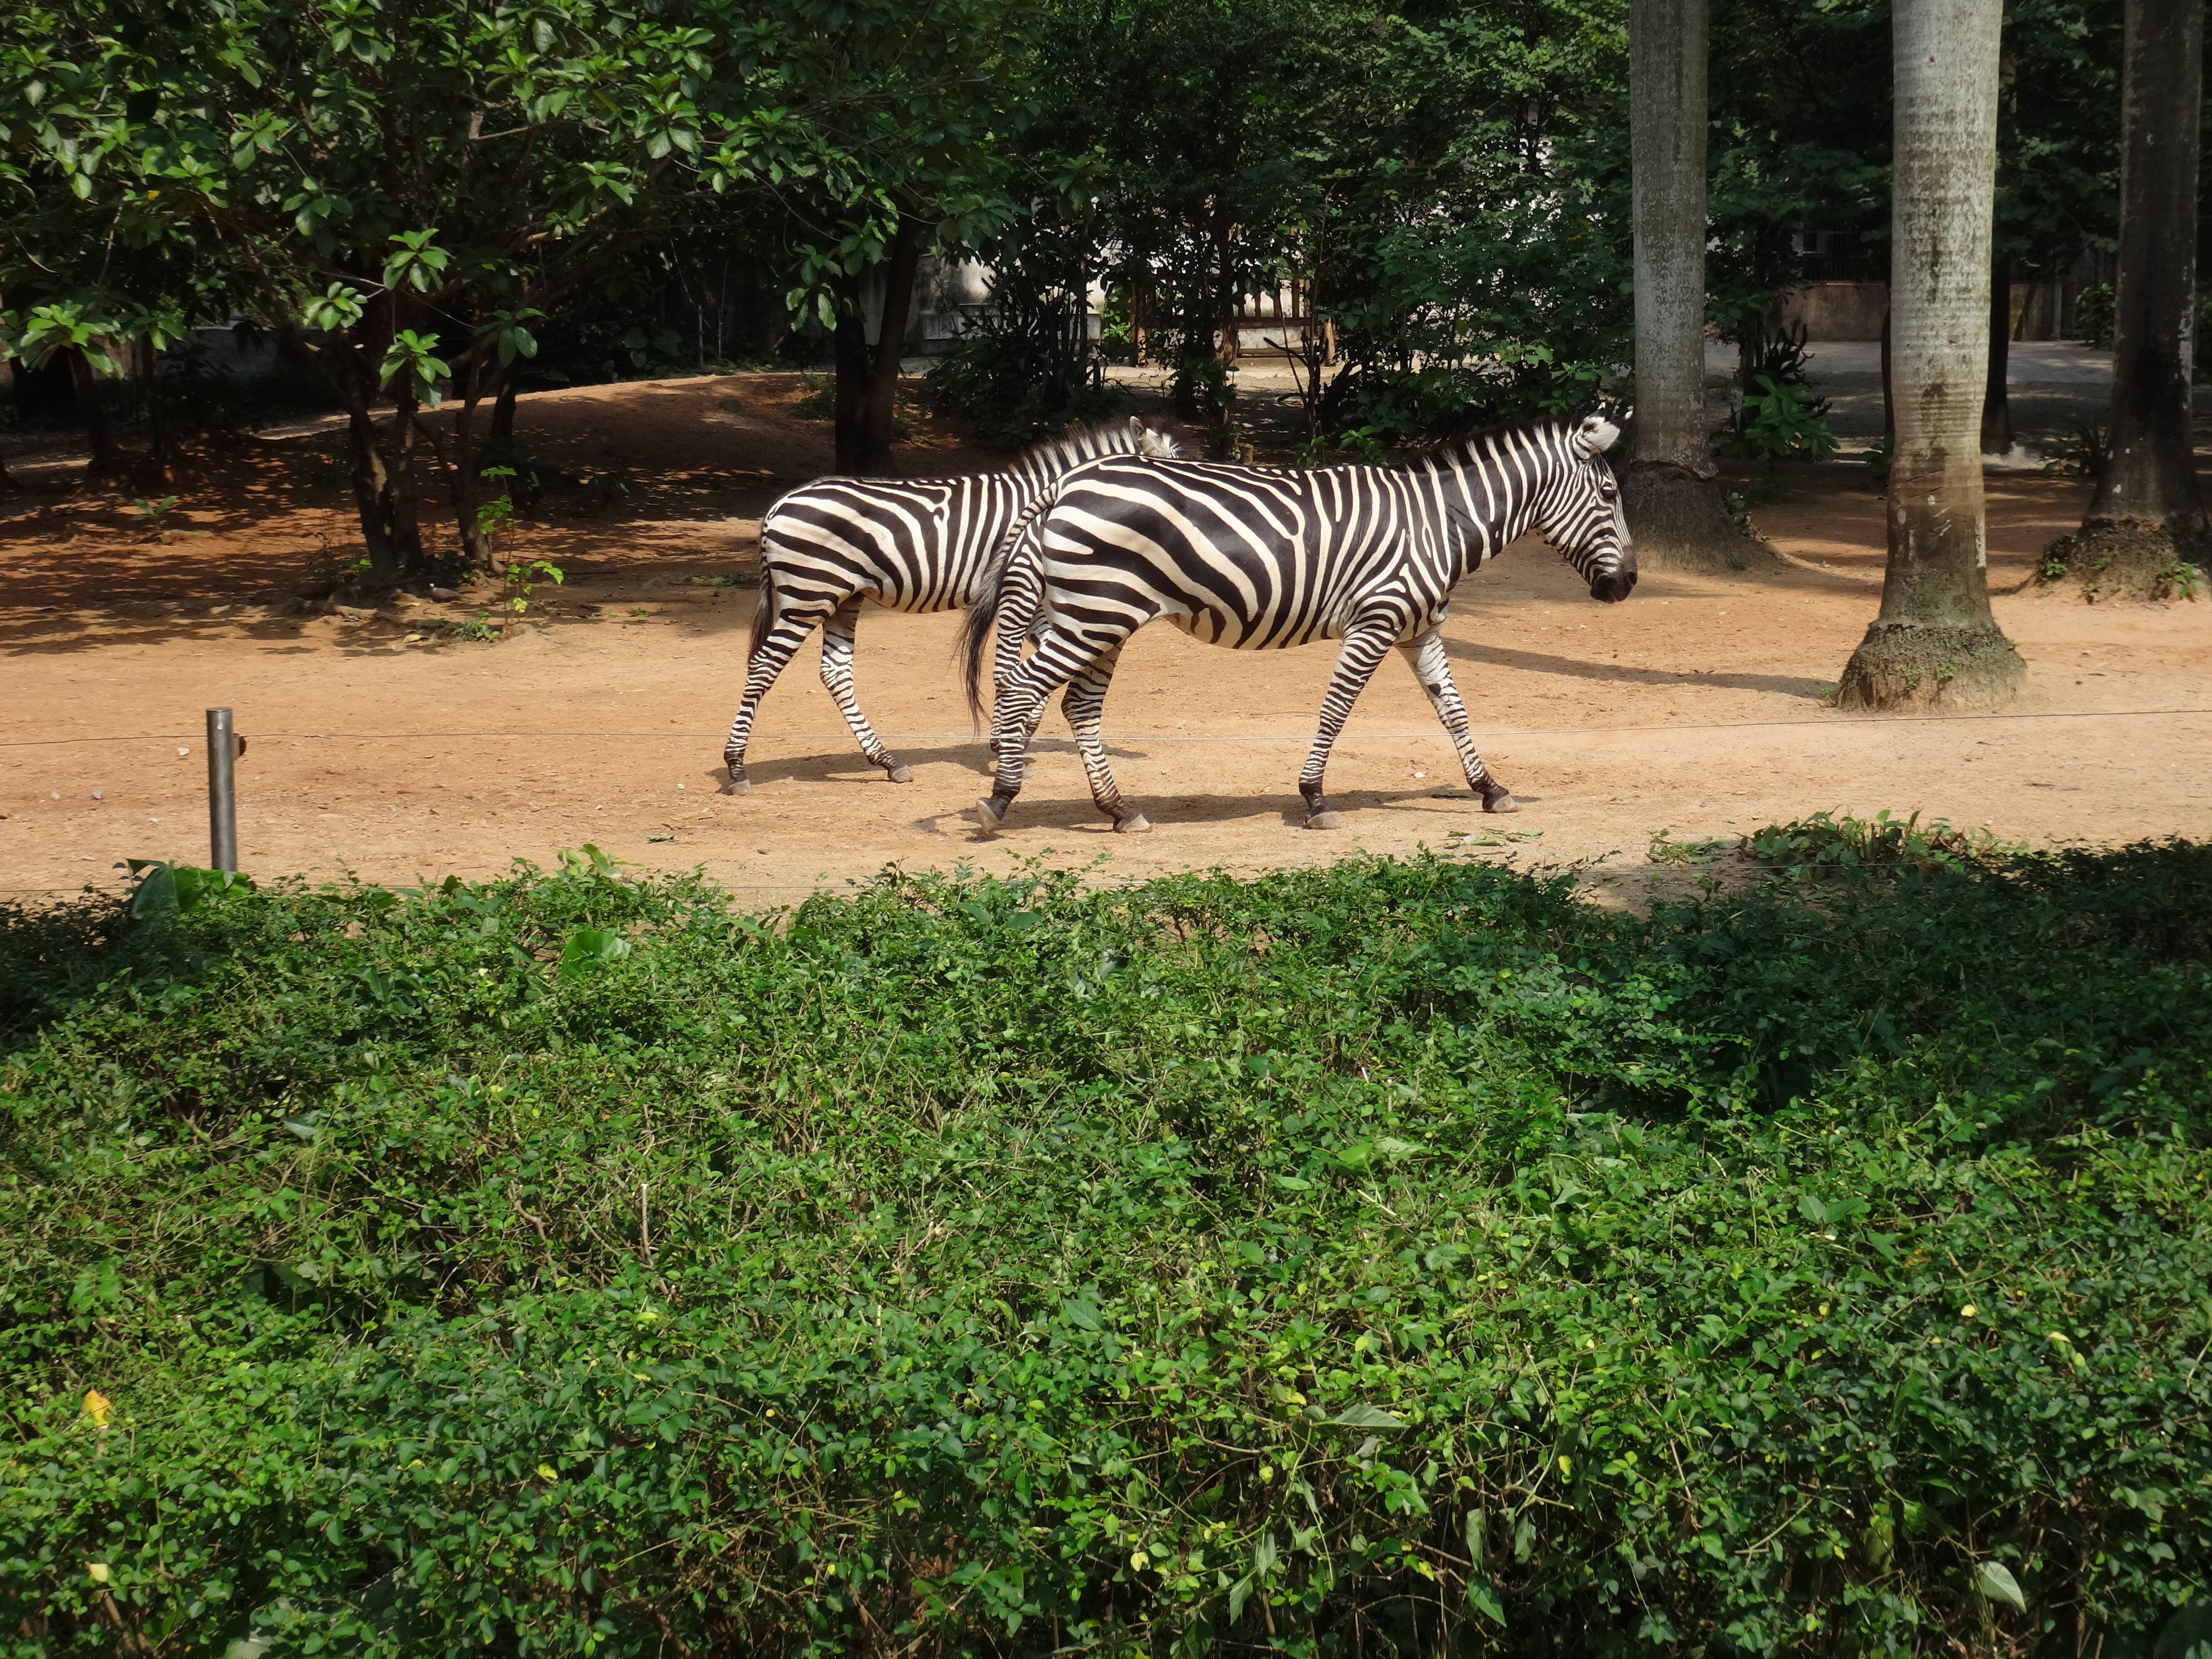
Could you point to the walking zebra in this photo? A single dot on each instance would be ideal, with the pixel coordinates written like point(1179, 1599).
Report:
point(911, 545)
point(1260, 560)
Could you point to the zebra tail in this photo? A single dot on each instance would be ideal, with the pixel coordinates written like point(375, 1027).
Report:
point(975, 636)
point(763, 614)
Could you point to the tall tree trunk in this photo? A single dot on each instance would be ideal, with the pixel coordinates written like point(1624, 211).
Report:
point(849, 346)
point(1996, 404)
point(879, 409)
point(2147, 514)
point(1888, 386)
point(1934, 642)
point(90, 411)
point(1672, 493)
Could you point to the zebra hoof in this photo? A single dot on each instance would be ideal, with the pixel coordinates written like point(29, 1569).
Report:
point(1503, 801)
point(989, 815)
point(902, 774)
point(1136, 824)
point(738, 784)
point(1324, 821)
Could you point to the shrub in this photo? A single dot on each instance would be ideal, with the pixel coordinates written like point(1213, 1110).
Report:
point(1369, 1259)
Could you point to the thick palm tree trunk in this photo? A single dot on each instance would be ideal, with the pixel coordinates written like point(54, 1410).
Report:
point(2148, 514)
point(1672, 493)
point(1934, 642)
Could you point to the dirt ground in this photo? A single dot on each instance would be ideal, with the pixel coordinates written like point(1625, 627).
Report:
point(381, 746)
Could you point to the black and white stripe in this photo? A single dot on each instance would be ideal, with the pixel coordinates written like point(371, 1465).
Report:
point(1257, 559)
point(911, 545)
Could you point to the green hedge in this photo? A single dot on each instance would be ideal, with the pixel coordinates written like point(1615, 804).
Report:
point(1399, 1257)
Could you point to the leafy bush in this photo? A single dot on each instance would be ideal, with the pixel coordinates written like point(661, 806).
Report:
point(1779, 420)
point(1387, 1257)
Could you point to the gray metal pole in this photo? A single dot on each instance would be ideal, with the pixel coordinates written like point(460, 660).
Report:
point(223, 803)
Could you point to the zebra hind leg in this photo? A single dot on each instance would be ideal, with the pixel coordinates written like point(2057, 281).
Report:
point(837, 679)
point(1083, 705)
point(1433, 669)
point(777, 647)
point(1364, 647)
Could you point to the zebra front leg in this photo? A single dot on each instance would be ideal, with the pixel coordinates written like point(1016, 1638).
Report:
point(1364, 647)
point(1014, 716)
point(838, 678)
point(1083, 705)
point(1433, 669)
point(782, 642)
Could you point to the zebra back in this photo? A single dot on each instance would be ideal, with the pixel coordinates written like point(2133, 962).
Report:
point(922, 543)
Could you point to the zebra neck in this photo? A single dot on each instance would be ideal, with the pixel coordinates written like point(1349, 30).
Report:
point(1486, 507)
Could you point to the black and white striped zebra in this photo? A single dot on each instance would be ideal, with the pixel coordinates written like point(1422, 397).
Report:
point(1257, 559)
point(908, 543)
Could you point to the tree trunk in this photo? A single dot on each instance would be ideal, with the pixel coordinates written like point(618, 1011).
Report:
point(503, 410)
point(1996, 406)
point(2146, 514)
point(1888, 388)
point(1672, 493)
point(91, 411)
point(369, 479)
point(879, 409)
point(849, 345)
point(1934, 643)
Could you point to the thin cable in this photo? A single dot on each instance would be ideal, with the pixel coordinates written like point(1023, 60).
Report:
point(1300, 737)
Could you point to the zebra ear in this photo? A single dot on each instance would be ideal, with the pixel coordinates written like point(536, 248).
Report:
point(1596, 436)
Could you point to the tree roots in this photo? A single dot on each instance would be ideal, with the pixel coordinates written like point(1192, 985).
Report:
point(2128, 559)
point(1682, 522)
point(1902, 666)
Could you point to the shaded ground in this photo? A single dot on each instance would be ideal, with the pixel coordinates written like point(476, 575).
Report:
point(1696, 706)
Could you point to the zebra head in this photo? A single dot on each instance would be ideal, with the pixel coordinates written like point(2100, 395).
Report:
point(1151, 443)
point(1579, 510)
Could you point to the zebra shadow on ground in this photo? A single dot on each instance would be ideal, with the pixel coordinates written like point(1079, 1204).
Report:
point(848, 766)
point(1584, 668)
point(1427, 807)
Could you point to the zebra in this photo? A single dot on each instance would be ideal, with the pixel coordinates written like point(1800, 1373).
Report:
point(1257, 559)
point(911, 545)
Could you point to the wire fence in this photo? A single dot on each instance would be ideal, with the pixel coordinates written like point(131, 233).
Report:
point(1891, 721)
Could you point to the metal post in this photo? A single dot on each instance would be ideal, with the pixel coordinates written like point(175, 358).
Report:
point(222, 804)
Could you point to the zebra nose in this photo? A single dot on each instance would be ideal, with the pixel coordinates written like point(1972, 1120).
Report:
point(1614, 587)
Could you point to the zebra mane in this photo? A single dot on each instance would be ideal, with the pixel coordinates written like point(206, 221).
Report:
point(1055, 456)
point(1471, 446)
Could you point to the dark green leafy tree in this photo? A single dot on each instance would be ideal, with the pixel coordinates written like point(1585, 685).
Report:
point(409, 190)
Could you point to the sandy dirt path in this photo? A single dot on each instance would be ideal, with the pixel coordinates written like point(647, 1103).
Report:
point(1697, 706)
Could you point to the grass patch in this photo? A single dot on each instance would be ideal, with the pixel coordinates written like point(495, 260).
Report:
point(1398, 1257)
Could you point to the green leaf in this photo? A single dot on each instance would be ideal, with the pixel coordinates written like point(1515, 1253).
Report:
point(592, 947)
point(1483, 1599)
point(1995, 1580)
point(1362, 1416)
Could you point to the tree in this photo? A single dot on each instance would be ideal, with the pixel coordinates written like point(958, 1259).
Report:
point(409, 191)
point(1934, 642)
point(2147, 517)
point(1672, 494)
point(2058, 161)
